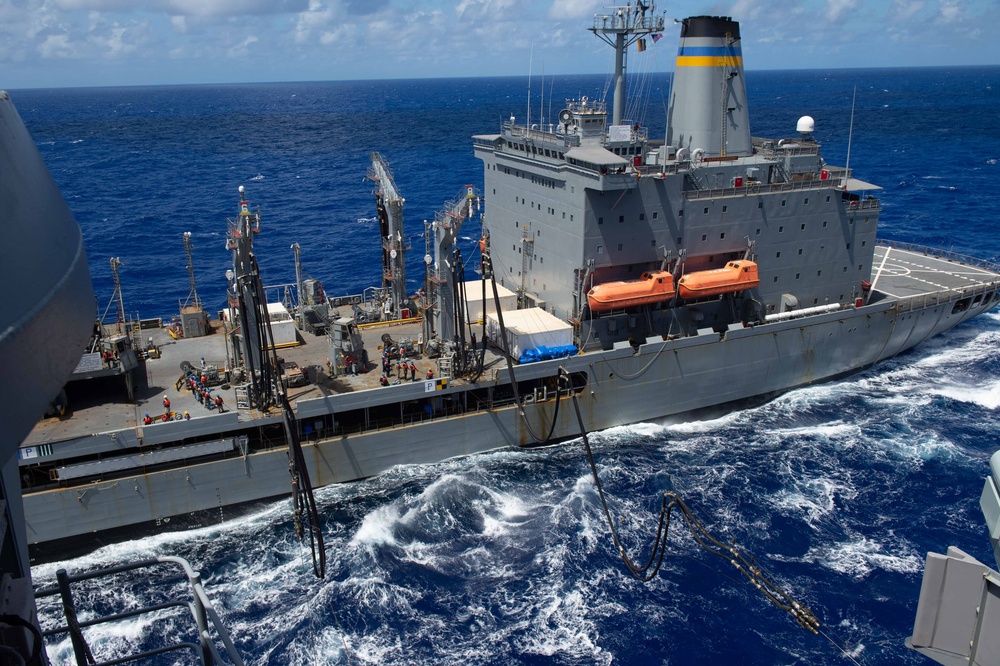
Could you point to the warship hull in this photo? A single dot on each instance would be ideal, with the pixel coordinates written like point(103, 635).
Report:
point(660, 378)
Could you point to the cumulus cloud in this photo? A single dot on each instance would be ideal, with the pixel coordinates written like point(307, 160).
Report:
point(905, 10)
point(229, 7)
point(575, 9)
point(836, 10)
point(951, 11)
point(489, 10)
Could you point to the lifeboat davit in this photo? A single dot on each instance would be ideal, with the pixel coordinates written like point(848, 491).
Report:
point(651, 287)
point(735, 276)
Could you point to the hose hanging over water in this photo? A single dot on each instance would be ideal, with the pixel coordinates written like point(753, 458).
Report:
point(513, 380)
point(303, 498)
point(671, 500)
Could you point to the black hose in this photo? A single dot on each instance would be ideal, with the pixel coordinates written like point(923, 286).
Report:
point(671, 500)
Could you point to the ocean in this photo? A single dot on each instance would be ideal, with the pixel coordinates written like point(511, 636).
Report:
point(837, 490)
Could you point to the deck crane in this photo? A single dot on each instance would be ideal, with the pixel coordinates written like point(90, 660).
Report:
point(390, 219)
point(261, 365)
point(442, 321)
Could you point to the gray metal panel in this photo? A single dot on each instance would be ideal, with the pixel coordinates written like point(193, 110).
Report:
point(958, 614)
point(45, 321)
point(142, 460)
point(173, 431)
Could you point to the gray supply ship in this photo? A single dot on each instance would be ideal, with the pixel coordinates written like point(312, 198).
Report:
point(647, 278)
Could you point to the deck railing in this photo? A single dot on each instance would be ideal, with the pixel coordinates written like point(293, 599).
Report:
point(206, 619)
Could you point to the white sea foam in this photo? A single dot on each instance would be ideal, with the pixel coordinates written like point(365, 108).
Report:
point(815, 498)
point(987, 396)
point(858, 558)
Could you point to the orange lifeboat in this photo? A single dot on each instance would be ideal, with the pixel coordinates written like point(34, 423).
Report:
point(651, 287)
point(735, 276)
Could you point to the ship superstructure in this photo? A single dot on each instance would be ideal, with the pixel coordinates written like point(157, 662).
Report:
point(599, 202)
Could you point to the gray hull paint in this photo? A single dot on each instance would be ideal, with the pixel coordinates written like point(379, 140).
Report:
point(625, 386)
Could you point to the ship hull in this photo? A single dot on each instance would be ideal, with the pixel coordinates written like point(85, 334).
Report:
point(624, 385)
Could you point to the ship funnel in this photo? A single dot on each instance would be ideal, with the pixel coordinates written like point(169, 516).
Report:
point(708, 99)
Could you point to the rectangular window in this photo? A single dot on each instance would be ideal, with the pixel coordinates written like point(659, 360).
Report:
point(725, 208)
point(760, 204)
point(600, 220)
point(758, 232)
point(722, 236)
point(680, 213)
point(781, 229)
point(796, 276)
point(824, 224)
point(642, 216)
point(783, 203)
point(777, 255)
point(706, 210)
point(828, 198)
point(802, 228)
point(621, 218)
point(600, 249)
point(619, 247)
point(704, 237)
point(775, 278)
point(807, 201)
point(800, 251)
point(656, 214)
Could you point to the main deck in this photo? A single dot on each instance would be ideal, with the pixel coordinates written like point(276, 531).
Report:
point(914, 277)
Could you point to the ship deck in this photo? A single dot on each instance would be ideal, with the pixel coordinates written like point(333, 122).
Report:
point(104, 408)
point(908, 273)
point(914, 276)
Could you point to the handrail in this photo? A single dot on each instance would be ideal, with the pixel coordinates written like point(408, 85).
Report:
point(205, 616)
point(947, 255)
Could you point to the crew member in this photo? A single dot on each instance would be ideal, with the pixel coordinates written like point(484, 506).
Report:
point(146, 420)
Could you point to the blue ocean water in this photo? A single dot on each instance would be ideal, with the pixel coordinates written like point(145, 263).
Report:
point(838, 490)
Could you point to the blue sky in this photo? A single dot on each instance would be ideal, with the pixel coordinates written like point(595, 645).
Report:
point(56, 43)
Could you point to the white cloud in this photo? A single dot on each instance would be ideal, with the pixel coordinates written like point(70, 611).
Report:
point(57, 46)
point(951, 11)
point(243, 48)
point(840, 9)
point(490, 10)
point(575, 9)
point(230, 7)
point(905, 10)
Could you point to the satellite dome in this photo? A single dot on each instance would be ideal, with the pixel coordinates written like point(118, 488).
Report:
point(806, 125)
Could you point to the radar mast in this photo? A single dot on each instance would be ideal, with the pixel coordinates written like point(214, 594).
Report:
point(621, 29)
